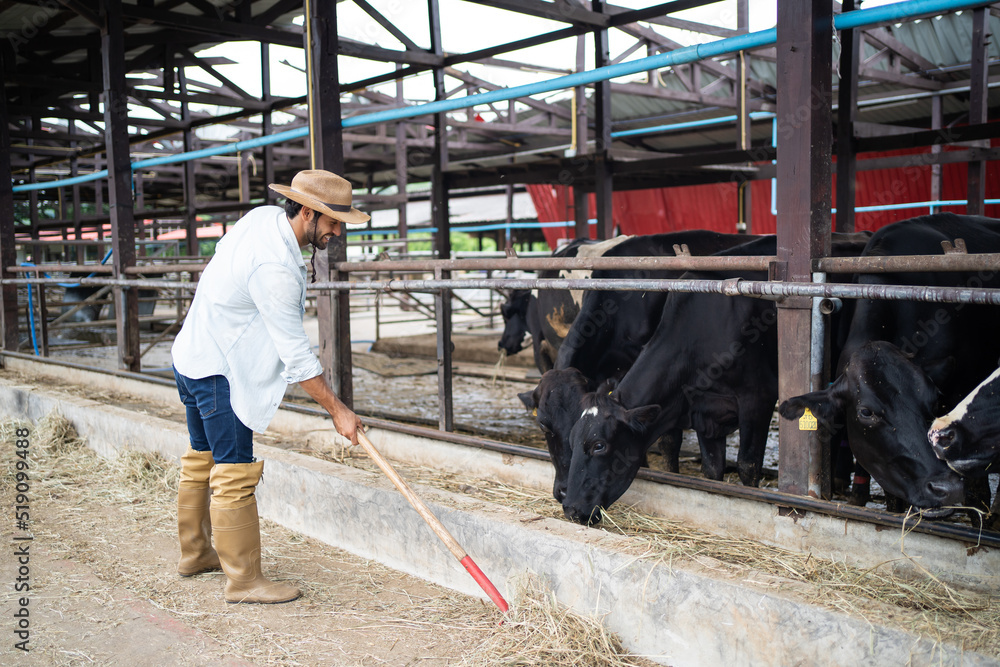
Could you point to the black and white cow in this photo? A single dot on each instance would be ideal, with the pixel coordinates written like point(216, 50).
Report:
point(883, 392)
point(968, 437)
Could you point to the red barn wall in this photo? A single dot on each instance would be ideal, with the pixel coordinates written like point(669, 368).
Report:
point(714, 206)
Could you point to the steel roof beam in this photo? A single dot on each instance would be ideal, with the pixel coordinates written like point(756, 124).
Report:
point(562, 12)
point(355, 49)
point(882, 38)
point(219, 29)
point(485, 85)
point(82, 12)
point(388, 25)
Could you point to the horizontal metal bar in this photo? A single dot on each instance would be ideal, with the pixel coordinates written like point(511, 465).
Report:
point(115, 282)
point(729, 287)
point(63, 268)
point(663, 263)
point(86, 242)
point(883, 264)
point(193, 267)
point(895, 263)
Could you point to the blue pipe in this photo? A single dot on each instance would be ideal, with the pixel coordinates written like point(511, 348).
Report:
point(754, 115)
point(899, 10)
point(31, 315)
point(92, 274)
point(918, 204)
point(477, 228)
point(688, 54)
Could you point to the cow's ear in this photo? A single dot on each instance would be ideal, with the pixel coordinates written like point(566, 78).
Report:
point(640, 419)
point(939, 370)
point(529, 398)
point(825, 405)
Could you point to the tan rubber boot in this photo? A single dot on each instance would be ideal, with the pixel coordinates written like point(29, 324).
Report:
point(237, 535)
point(194, 522)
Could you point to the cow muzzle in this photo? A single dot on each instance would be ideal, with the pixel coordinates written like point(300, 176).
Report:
point(942, 495)
point(587, 517)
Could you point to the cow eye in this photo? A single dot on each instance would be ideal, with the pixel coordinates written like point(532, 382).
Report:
point(866, 414)
point(545, 429)
point(599, 448)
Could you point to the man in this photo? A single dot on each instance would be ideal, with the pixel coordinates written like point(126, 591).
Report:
point(241, 344)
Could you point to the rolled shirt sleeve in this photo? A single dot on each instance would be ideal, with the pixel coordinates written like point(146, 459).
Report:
point(280, 298)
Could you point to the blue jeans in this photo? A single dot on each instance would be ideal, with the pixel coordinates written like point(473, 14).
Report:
point(211, 422)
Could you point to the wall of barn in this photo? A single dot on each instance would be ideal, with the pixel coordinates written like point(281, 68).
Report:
point(713, 206)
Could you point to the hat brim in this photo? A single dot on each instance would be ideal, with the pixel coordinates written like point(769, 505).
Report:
point(352, 217)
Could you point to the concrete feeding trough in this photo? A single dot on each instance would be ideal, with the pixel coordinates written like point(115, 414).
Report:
point(677, 614)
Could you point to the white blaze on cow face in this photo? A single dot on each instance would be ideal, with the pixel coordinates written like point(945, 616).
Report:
point(961, 409)
point(592, 412)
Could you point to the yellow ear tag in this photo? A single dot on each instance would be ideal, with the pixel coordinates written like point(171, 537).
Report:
point(807, 422)
point(534, 412)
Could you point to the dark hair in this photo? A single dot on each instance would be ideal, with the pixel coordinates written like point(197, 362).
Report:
point(292, 208)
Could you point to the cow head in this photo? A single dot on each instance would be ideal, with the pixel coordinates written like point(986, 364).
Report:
point(556, 406)
point(968, 437)
point(515, 319)
point(886, 403)
point(608, 444)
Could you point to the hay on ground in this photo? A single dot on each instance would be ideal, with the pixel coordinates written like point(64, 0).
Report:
point(885, 594)
point(539, 632)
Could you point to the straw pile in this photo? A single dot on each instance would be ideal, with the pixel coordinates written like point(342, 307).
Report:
point(539, 632)
point(58, 451)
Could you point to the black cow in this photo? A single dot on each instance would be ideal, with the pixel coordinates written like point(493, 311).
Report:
point(885, 401)
point(555, 406)
point(549, 315)
point(612, 326)
point(710, 366)
point(881, 393)
point(606, 338)
point(693, 371)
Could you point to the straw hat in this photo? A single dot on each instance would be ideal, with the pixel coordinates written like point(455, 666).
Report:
point(325, 192)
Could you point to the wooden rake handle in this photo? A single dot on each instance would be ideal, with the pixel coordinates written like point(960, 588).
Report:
point(453, 546)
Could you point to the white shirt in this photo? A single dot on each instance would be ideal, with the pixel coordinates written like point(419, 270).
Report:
point(246, 318)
